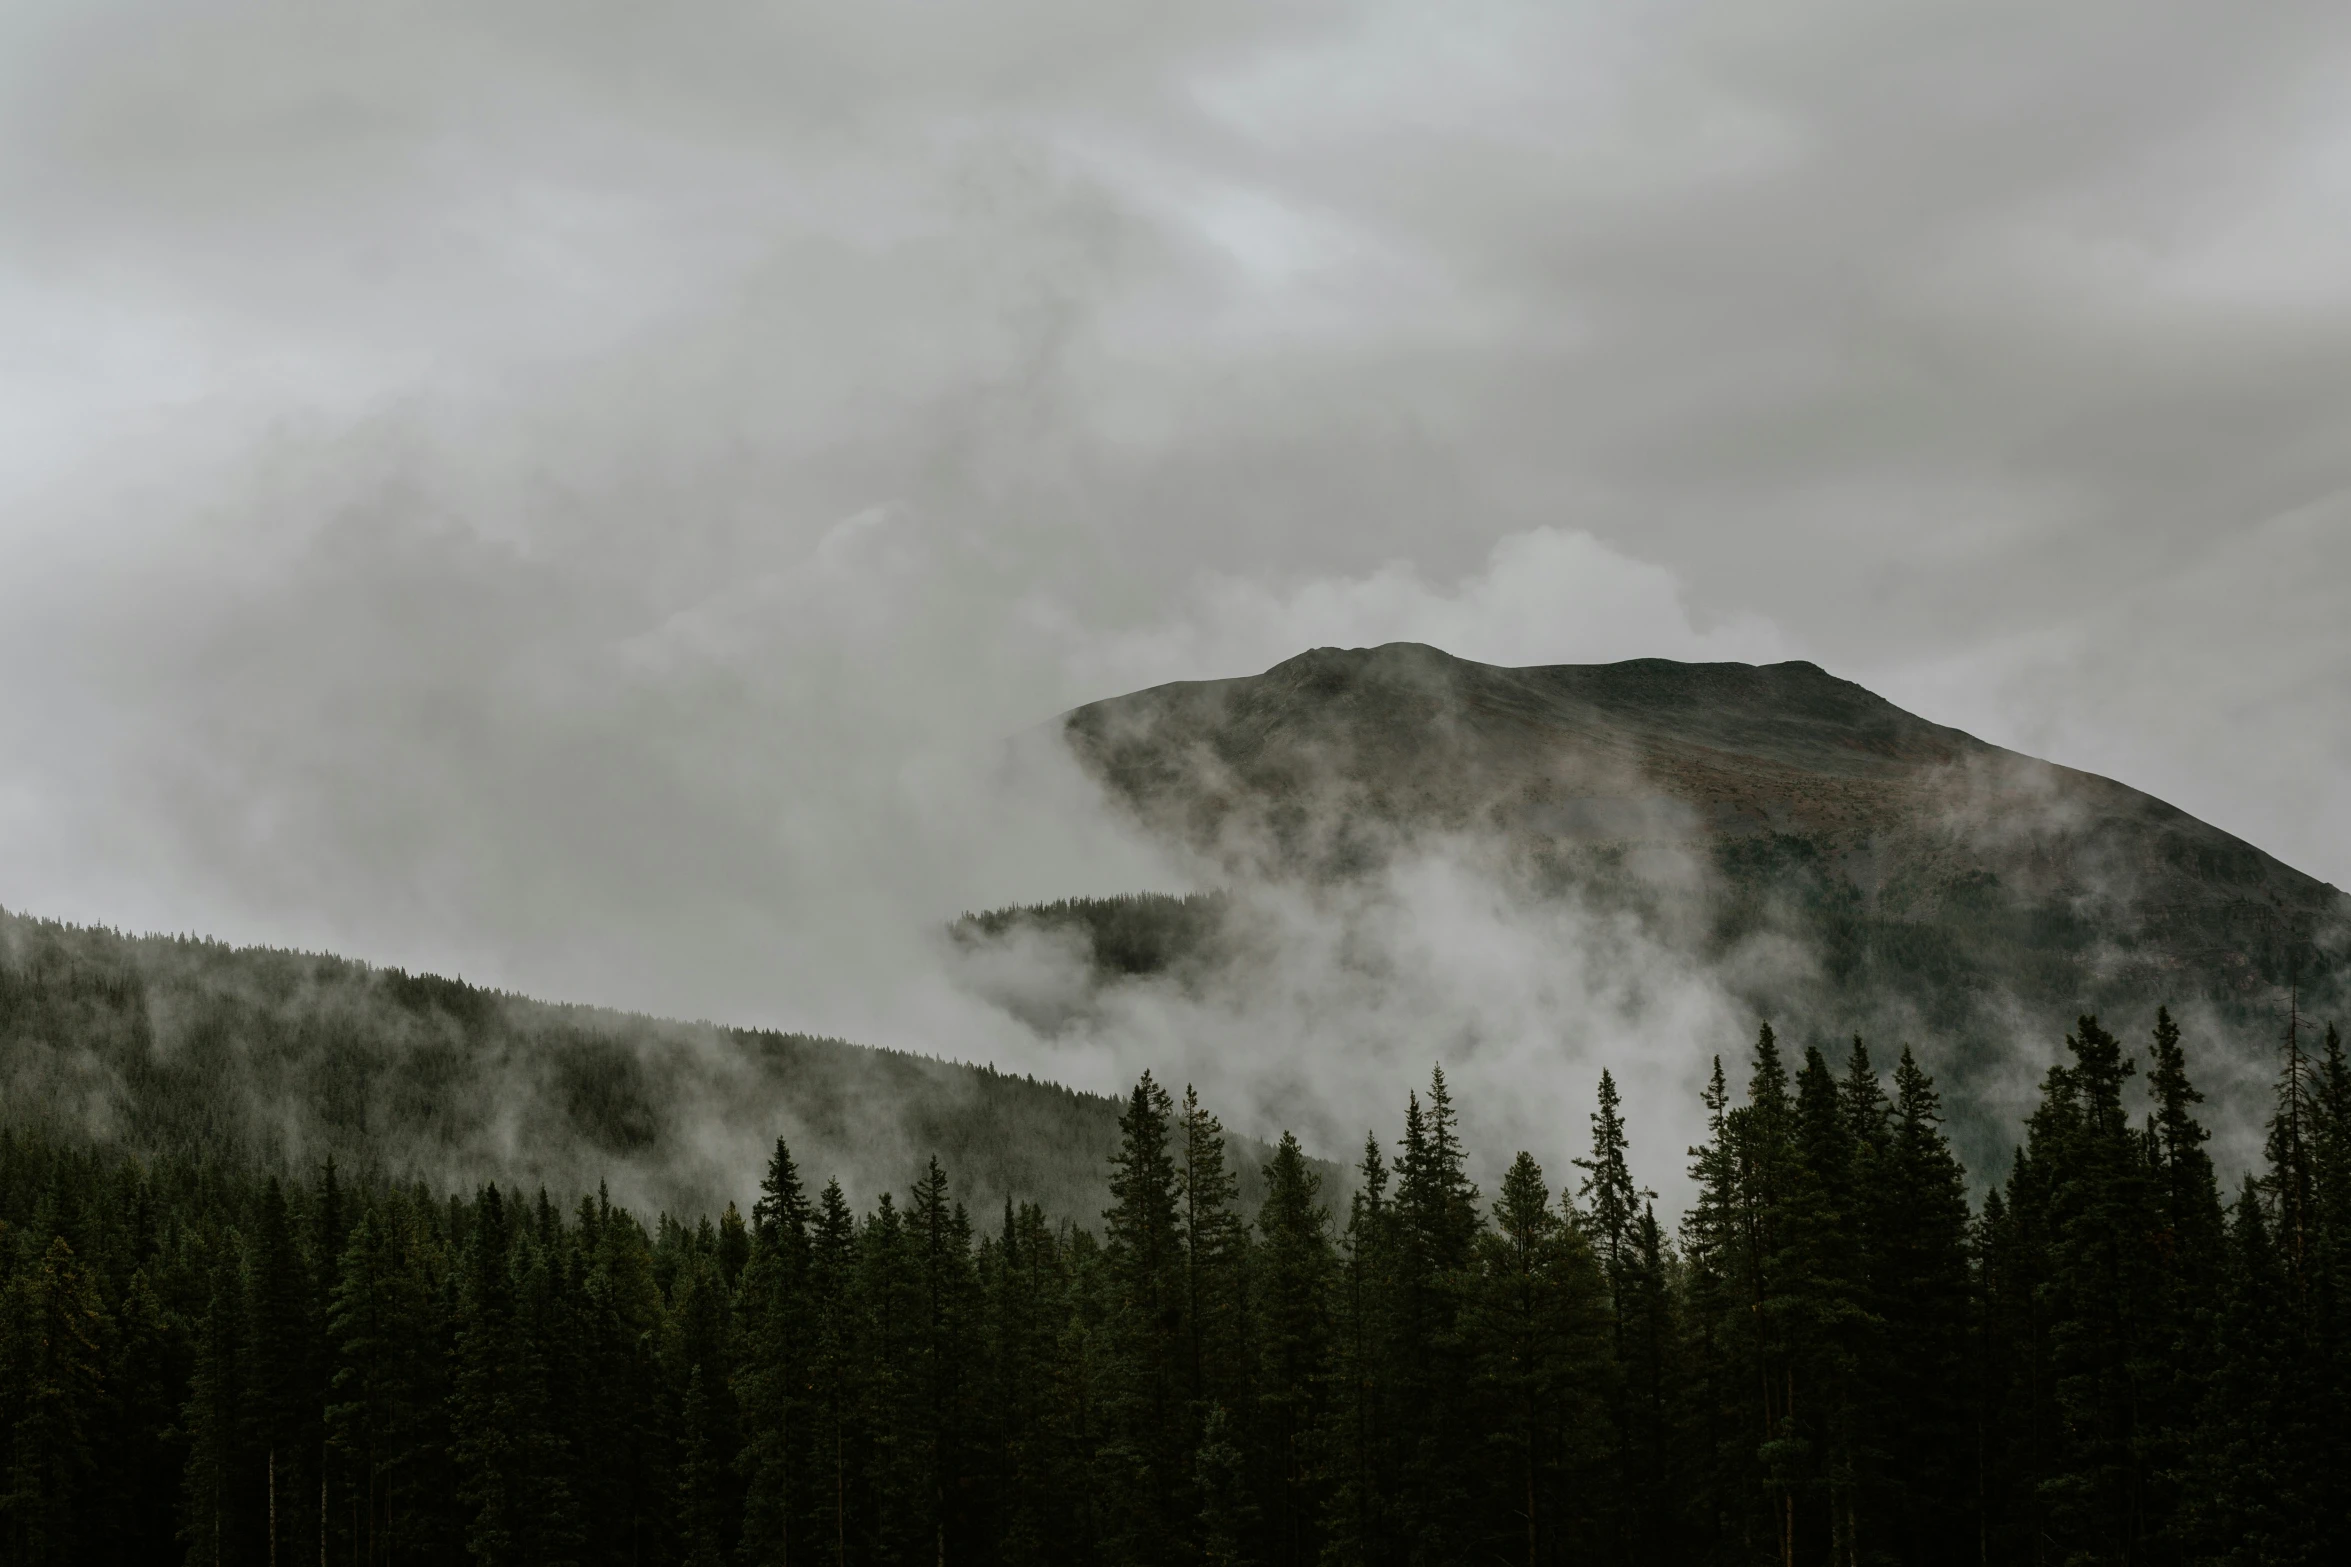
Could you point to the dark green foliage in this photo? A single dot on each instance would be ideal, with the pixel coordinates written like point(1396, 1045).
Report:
point(209, 1361)
point(158, 1046)
point(1293, 1333)
point(1148, 1420)
point(1132, 934)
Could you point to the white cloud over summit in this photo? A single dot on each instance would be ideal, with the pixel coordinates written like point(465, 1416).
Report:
point(564, 493)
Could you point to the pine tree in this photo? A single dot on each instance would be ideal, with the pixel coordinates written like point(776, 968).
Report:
point(1148, 1442)
point(701, 1467)
point(1215, 1247)
point(2290, 1185)
point(2190, 1256)
point(548, 1321)
point(1612, 1202)
point(222, 1523)
point(144, 1385)
point(1295, 1268)
point(625, 1441)
point(1538, 1312)
point(1921, 1291)
point(1437, 1224)
point(1720, 1511)
point(1763, 1133)
point(1364, 1440)
point(780, 1218)
point(2246, 1503)
point(943, 1351)
point(1025, 1288)
point(2084, 1198)
point(834, 1389)
point(2330, 1275)
point(1226, 1516)
point(488, 1403)
point(768, 1383)
point(1611, 1216)
point(283, 1397)
point(54, 1334)
point(774, 1368)
point(1654, 1379)
point(1818, 1456)
point(893, 1500)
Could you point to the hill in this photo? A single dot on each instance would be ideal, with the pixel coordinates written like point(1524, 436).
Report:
point(159, 1045)
point(1841, 864)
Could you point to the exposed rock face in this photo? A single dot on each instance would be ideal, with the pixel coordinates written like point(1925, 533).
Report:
point(1925, 865)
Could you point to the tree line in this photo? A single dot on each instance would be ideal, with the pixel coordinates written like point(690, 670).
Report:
point(1832, 1357)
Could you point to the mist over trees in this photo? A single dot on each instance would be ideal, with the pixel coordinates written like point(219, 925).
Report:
point(1831, 1357)
point(177, 1047)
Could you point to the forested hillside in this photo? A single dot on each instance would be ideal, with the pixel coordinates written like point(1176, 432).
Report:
point(1829, 1359)
point(192, 1049)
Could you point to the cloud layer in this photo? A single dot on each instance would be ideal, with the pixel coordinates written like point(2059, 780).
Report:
point(575, 495)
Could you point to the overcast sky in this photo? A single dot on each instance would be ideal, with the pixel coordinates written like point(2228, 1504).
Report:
point(562, 492)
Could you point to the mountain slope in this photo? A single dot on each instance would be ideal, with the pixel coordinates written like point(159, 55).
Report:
point(155, 1044)
point(1327, 762)
point(1896, 876)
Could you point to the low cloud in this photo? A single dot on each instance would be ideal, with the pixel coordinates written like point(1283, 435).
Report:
point(578, 499)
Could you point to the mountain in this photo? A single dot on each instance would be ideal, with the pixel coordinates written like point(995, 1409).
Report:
point(1927, 883)
point(159, 1045)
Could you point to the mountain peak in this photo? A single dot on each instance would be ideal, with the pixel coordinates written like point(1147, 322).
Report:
point(1332, 761)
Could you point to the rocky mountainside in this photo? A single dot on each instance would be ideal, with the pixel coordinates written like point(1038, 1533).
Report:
point(1930, 881)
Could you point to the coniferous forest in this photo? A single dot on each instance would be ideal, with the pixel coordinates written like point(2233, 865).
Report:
point(1831, 1356)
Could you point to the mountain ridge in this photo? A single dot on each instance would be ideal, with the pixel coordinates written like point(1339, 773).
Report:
point(1835, 863)
point(1412, 739)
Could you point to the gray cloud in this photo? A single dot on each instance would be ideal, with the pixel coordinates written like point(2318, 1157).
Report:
point(573, 494)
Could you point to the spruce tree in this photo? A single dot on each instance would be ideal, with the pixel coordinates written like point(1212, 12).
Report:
point(2246, 1499)
point(942, 1352)
point(1215, 1246)
point(282, 1392)
point(1764, 1340)
point(1294, 1329)
point(2330, 1275)
point(1611, 1216)
point(1538, 1314)
point(834, 1379)
point(1031, 1453)
point(1437, 1223)
point(1148, 1443)
point(767, 1387)
point(489, 1406)
point(144, 1385)
point(2085, 1198)
point(54, 1333)
point(1364, 1436)
point(1922, 1373)
point(222, 1522)
point(1720, 1509)
point(2191, 1257)
point(701, 1505)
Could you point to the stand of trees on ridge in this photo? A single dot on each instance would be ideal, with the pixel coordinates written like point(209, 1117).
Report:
point(1831, 1359)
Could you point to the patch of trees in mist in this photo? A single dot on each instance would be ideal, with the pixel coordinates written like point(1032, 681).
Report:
point(1832, 1358)
point(197, 1051)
